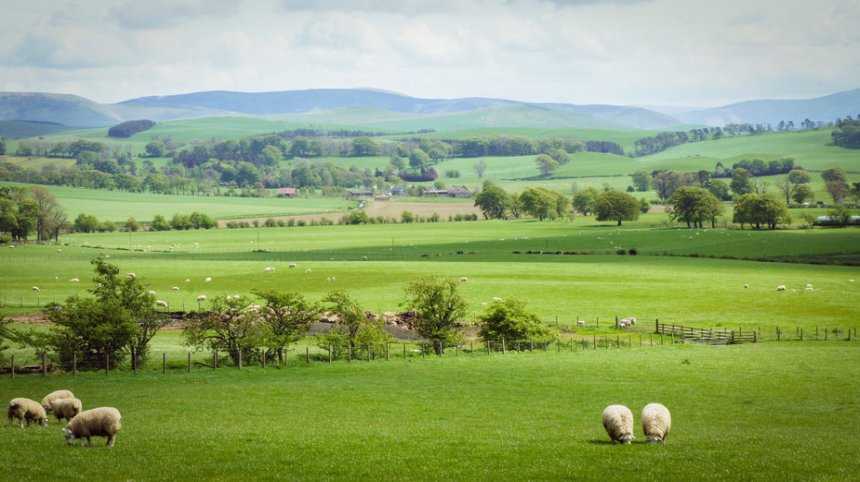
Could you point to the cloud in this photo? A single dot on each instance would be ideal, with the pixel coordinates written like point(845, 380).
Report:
point(154, 14)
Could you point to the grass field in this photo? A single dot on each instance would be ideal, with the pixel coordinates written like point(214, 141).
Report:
point(752, 412)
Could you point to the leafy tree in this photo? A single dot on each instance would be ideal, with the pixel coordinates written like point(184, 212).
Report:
point(159, 223)
point(511, 321)
point(18, 212)
point(480, 167)
point(543, 203)
point(271, 156)
point(759, 210)
point(227, 326)
point(694, 206)
point(545, 164)
point(802, 193)
point(50, 217)
point(132, 225)
point(833, 174)
point(353, 330)
point(364, 146)
point(418, 159)
point(641, 181)
point(666, 182)
point(840, 215)
point(741, 182)
point(493, 201)
point(799, 176)
point(438, 307)
point(286, 318)
point(583, 200)
point(86, 223)
point(847, 134)
point(838, 189)
point(616, 206)
point(397, 162)
point(719, 189)
point(154, 148)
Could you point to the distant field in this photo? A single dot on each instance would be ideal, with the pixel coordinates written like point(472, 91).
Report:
point(119, 205)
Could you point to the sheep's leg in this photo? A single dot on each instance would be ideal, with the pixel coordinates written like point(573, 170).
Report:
point(110, 440)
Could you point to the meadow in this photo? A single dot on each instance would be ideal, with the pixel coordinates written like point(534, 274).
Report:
point(751, 412)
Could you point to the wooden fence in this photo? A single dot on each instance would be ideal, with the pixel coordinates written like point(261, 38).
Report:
point(706, 335)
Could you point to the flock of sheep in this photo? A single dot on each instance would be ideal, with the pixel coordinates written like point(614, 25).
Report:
point(83, 424)
point(618, 422)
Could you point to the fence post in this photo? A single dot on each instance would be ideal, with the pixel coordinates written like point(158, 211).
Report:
point(163, 363)
point(488, 347)
point(44, 364)
point(423, 350)
point(240, 359)
point(594, 339)
point(134, 361)
point(214, 359)
point(349, 354)
point(656, 326)
point(264, 358)
point(308, 355)
point(329, 354)
point(825, 334)
point(189, 362)
point(661, 338)
point(74, 363)
point(387, 350)
point(504, 350)
point(404, 351)
point(107, 363)
point(368, 353)
point(471, 347)
point(801, 335)
point(755, 337)
point(12, 366)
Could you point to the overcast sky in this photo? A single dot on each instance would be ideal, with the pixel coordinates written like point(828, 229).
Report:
point(643, 52)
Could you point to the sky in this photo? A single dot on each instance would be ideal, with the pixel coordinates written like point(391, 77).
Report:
point(689, 53)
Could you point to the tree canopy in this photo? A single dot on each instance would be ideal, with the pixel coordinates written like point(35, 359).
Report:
point(616, 206)
point(694, 206)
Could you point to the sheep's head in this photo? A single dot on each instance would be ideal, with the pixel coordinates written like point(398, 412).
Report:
point(626, 439)
point(43, 421)
point(70, 437)
point(654, 439)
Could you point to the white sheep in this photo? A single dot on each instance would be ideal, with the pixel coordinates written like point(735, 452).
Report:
point(746, 285)
point(496, 299)
point(308, 271)
point(580, 322)
point(36, 289)
point(161, 303)
point(618, 422)
point(780, 288)
point(27, 410)
point(268, 269)
point(66, 408)
point(175, 288)
point(59, 250)
point(74, 280)
point(291, 265)
point(131, 275)
point(208, 279)
point(201, 298)
point(55, 395)
point(187, 280)
point(656, 422)
point(152, 292)
point(97, 422)
point(11, 246)
point(464, 279)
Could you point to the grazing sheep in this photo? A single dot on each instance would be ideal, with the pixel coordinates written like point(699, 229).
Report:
point(308, 271)
point(11, 246)
point(36, 289)
point(618, 422)
point(97, 422)
point(161, 303)
point(74, 280)
point(55, 395)
point(580, 322)
point(131, 275)
point(268, 269)
point(746, 285)
point(26, 409)
point(780, 288)
point(291, 265)
point(656, 422)
point(364, 258)
point(201, 298)
point(175, 288)
point(208, 279)
point(464, 279)
point(59, 250)
point(496, 299)
point(152, 292)
point(66, 408)
point(187, 280)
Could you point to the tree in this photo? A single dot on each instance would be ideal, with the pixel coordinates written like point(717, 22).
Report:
point(119, 318)
point(616, 206)
point(802, 193)
point(132, 225)
point(741, 182)
point(847, 134)
point(833, 174)
point(154, 148)
point(840, 216)
point(719, 189)
point(545, 164)
point(838, 189)
point(641, 181)
point(493, 201)
point(758, 210)
point(799, 176)
point(418, 159)
point(159, 223)
point(286, 318)
point(511, 321)
point(543, 203)
point(353, 331)
point(227, 326)
point(694, 206)
point(583, 200)
point(480, 167)
point(438, 308)
point(364, 146)
point(271, 156)
point(86, 223)
point(50, 216)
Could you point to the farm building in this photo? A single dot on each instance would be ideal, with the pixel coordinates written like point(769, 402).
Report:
point(459, 191)
point(287, 192)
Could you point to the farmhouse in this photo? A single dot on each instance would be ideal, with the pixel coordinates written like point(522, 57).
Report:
point(360, 193)
point(287, 192)
point(459, 191)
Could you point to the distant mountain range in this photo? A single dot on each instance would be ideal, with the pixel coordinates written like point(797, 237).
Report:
point(75, 111)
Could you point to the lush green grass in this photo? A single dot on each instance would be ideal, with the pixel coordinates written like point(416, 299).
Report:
point(120, 205)
point(752, 412)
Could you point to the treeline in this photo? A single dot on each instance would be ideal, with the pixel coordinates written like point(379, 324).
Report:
point(28, 210)
point(130, 128)
point(87, 223)
point(847, 133)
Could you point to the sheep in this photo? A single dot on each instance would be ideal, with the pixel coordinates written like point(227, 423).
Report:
point(208, 279)
point(580, 322)
point(268, 269)
point(151, 292)
point(36, 289)
point(175, 288)
point(11, 246)
point(27, 410)
point(66, 408)
point(59, 250)
point(187, 280)
point(98, 422)
point(618, 422)
point(308, 271)
point(131, 275)
point(291, 265)
point(464, 279)
point(746, 285)
point(161, 303)
point(74, 280)
point(780, 288)
point(496, 299)
point(55, 395)
point(656, 422)
point(201, 298)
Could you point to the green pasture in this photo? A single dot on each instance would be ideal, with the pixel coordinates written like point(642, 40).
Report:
point(120, 205)
point(752, 412)
point(678, 275)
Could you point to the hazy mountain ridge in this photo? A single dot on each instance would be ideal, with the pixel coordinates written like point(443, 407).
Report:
point(72, 110)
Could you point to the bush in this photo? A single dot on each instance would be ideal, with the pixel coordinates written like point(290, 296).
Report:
point(510, 320)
